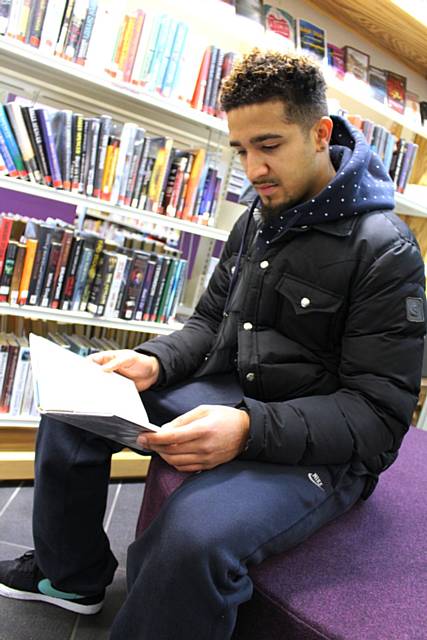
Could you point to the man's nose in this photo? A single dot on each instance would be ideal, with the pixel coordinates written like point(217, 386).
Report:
point(256, 168)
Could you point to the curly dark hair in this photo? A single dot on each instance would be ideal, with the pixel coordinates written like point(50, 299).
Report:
point(295, 79)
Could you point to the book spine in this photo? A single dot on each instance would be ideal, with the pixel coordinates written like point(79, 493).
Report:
point(13, 23)
point(37, 24)
point(34, 297)
point(160, 288)
point(167, 291)
point(91, 155)
point(193, 183)
point(141, 177)
point(87, 32)
point(164, 56)
point(213, 96)
point(5, 7)
point(22, 138)
point(105, 123)
point(84, 155)
point(202, 78)
point(59, 47)
point(115, 271)
point(5, 231)
point(11, 143)
point(46, 131)
point(133, 46)
point(81, 276)
point(177, 294)
point(145, 290)
point(52, 263)
point(210, 79)
point(28, 396)
point(70, 274)
point(158, 53)
point(134, 166)
point(407, 166)
point(59, 278)
point(76, 150)
point(7, 273)
point(100, 276)
point(110, 168)
point(134, 286)
point(151, 295)
point(17, 274)
point(52, 25)
point(74, 29)
point(23, 20)
point(19, 382)
point(24, 285)
point(4, 354)
point(90, 278)
point(37, 146)
point(122, 288)
point(9, 377)
point(7, 157)
point(172, 70)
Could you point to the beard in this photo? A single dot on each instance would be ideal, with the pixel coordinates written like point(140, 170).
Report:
point(270, 213)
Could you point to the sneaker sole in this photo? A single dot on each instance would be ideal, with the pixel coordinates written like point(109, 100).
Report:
point(84, 609)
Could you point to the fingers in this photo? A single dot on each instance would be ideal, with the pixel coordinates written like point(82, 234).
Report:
point(169, 435)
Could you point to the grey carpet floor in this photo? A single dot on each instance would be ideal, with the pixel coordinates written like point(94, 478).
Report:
point(38, 621)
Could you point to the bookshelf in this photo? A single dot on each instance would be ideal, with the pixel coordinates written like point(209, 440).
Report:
point(62, 84)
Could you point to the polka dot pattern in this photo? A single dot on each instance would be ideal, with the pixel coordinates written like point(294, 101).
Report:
point(361, 184)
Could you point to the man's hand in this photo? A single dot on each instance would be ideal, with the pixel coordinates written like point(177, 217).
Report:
point(200, 439)
point(142, 369)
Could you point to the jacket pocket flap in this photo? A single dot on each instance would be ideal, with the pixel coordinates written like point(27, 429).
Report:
point(306, 297)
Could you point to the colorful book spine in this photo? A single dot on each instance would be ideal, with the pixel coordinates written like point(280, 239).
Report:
point(172, 69)
point(81, 54)
point(47, 134)
point(11, 143)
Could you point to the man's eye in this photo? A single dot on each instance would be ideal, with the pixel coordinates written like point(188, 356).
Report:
point(241, 152)
point(270, 147)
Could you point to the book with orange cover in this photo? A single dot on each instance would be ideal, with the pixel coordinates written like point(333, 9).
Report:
point(24, 285)
point(202, 78)
point(193, 184)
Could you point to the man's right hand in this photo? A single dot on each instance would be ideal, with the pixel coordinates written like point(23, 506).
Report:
point(142, 369)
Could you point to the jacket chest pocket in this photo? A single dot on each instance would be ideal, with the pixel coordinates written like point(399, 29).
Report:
point(307, 313)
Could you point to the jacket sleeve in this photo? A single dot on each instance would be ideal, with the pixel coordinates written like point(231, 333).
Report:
point(379, 373)
point(182, 352)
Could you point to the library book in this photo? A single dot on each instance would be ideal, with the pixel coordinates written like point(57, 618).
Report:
point(76, 390)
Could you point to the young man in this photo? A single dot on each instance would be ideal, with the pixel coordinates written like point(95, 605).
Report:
point(306, 353)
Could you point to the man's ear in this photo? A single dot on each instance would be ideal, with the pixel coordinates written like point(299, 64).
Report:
point(322, 132)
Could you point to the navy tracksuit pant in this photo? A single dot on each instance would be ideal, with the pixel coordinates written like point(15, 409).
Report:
point(188, 573)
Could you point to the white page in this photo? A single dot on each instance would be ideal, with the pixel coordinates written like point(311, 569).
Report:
point(68, 383)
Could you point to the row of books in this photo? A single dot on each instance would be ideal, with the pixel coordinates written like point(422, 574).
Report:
point(52, 265)
point(117, 163)
point(156, 52)
point(16, 379)
point(398, 154)
point(149, 50)
point(384, 85)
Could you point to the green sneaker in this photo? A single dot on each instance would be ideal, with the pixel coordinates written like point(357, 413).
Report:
point(22, 579)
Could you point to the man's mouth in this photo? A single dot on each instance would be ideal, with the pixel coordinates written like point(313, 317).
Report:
point(266, 189)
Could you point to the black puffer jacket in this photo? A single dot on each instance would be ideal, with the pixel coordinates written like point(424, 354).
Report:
point(325, 323)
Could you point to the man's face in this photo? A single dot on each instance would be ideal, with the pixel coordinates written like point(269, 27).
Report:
point(280, 159)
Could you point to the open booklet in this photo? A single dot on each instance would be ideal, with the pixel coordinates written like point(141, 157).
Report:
point(76, 390)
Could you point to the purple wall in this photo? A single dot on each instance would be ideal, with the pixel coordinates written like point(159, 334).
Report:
point(35, 207)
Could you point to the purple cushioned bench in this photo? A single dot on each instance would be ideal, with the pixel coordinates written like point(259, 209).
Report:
point(363, 577)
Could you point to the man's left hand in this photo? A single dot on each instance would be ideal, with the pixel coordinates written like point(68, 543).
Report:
point(200, 439)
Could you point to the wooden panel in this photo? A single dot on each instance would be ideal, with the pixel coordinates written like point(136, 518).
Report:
point(17, 457)
point(389, 26)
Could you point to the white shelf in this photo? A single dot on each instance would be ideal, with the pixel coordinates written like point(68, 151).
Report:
point(355, 97)
point(407, 205)
point(117, 214)
point(85, 318)
point(21, 61)
point(23, 422)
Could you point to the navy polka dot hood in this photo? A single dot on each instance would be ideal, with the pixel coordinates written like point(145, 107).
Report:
point(361, 184)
